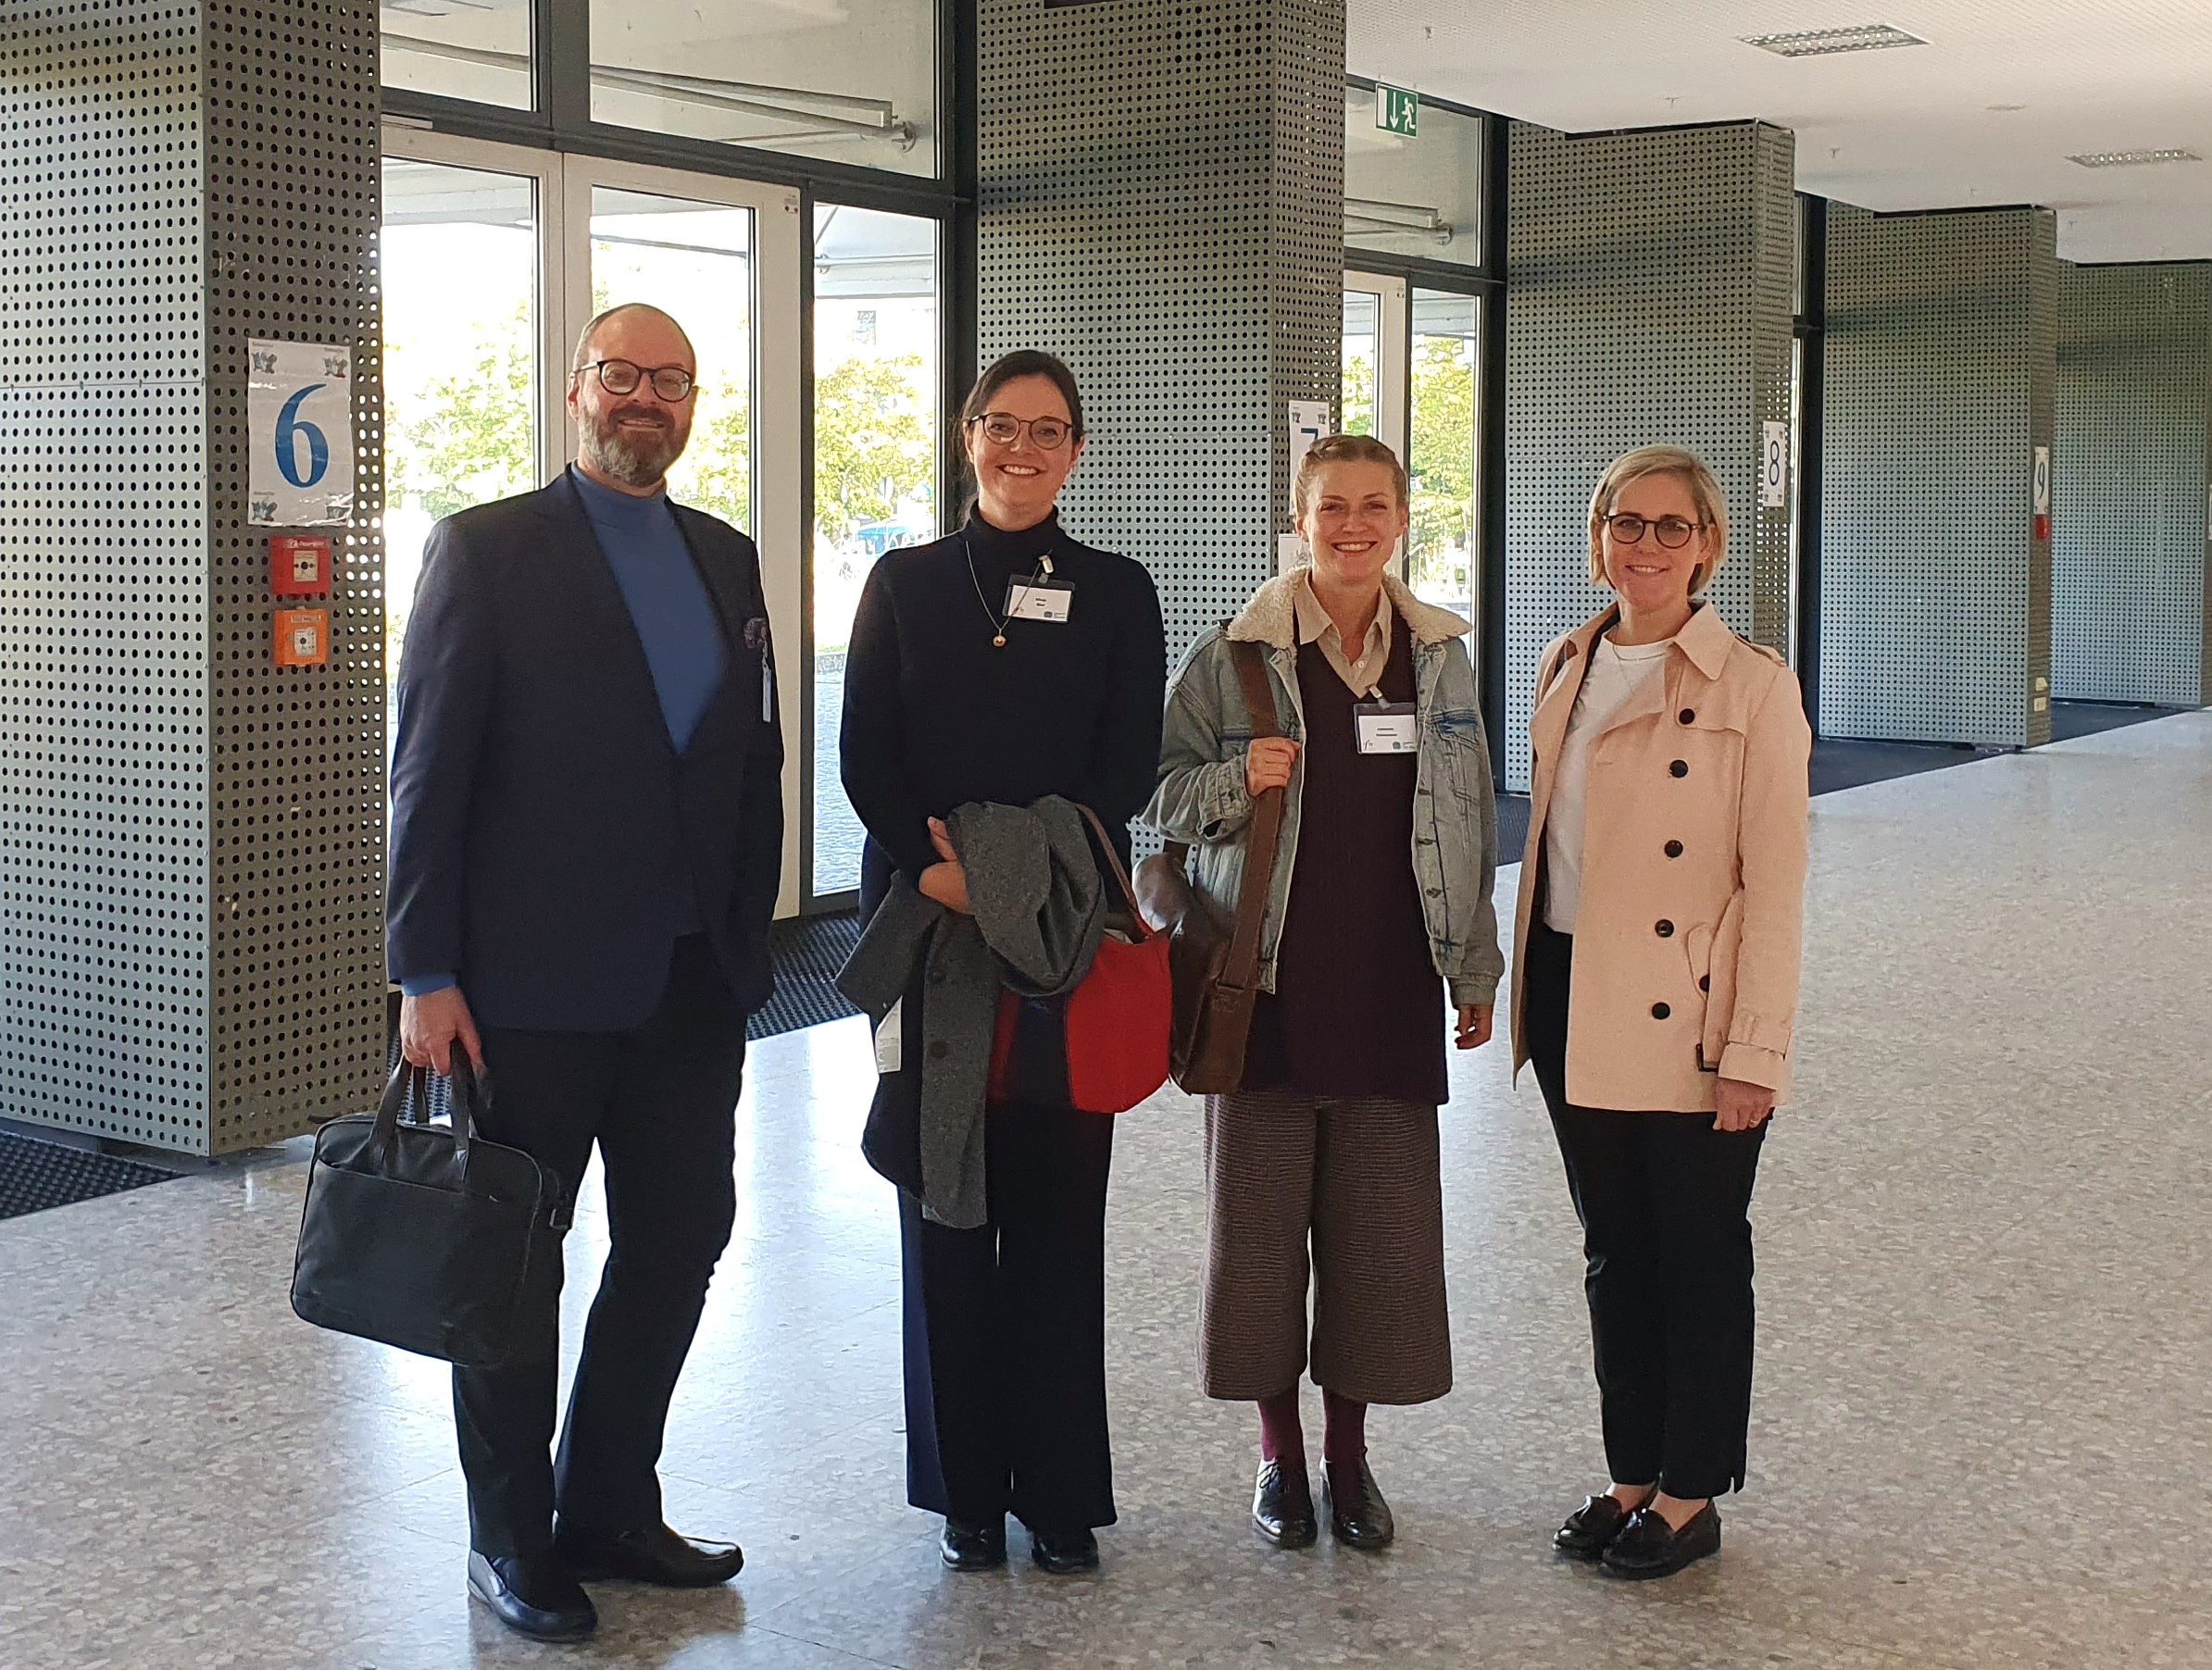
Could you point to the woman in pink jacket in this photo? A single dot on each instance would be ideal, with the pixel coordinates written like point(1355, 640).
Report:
point(1660, 914)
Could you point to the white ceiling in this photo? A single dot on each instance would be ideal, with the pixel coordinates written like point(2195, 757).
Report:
point(1917, 127)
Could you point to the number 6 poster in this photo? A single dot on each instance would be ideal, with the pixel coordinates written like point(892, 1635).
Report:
point(299, 415)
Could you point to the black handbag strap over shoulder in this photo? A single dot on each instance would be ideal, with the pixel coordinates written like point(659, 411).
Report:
point(1242, 969)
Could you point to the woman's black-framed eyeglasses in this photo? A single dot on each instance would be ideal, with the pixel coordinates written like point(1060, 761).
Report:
point(1003, 429)
point(1672, 531)
point(672, 383)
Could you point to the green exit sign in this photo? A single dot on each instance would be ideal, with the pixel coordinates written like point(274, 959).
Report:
point(1397, 111)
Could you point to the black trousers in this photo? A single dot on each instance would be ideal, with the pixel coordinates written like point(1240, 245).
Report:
point(1664, 1202)
point(1004, 1332)
point(660, 1103)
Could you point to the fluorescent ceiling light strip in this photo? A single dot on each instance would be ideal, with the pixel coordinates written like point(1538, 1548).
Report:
point(1821, 43)
point(2133, 159)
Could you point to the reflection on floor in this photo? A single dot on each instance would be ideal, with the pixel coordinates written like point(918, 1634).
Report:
point(1983, 1433)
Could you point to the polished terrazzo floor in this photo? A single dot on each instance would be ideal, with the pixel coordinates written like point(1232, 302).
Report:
point(1983, 1436)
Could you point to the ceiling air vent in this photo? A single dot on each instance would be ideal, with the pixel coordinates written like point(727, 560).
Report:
point(1821, 43)
point(2133, 159)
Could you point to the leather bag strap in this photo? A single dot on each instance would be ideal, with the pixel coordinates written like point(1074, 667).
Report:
point(1112, 857)
point(1242, 969)
point(1251, 664)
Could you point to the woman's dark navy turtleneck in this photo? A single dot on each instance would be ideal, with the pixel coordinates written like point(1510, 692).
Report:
point(935, 717)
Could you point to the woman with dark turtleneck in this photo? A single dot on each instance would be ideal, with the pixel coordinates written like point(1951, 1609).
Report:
point(958, 689)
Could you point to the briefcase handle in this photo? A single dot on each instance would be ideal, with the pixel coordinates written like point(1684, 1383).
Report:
point(409, 1090)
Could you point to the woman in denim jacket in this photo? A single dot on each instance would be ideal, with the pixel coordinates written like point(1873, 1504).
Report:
point(1325, 1163)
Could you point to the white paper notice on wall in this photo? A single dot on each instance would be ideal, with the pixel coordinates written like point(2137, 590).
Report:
point(1309, 422)
point(1290, 552)
point(299, 410)
point(1774, 466)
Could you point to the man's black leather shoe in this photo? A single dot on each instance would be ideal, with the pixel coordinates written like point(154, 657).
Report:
point(536, 1597)
point(972, 1547)
point(659, 1556)
point(1648, 1547)
point(1282, 1504)
point(1358, 1517)
point(1590, 1528)
point(1063, 1551)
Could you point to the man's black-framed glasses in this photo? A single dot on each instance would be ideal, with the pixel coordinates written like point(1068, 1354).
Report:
point(619, 376)
point(1672, 531)
point(1004, 429)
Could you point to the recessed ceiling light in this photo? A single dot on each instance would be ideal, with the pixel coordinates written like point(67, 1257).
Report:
point(2133, 159)
point(1819, 42)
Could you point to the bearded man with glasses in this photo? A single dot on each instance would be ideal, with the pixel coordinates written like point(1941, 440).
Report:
point(587, 834)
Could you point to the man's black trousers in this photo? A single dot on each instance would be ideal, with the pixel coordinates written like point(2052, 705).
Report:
point(660, 1103)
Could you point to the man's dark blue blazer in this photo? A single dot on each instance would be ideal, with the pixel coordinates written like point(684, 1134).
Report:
point(542, 822)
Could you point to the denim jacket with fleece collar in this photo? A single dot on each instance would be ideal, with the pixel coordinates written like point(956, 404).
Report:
point(1202, 800)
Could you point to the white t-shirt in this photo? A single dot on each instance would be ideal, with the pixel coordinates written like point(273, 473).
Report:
point(1616, 673)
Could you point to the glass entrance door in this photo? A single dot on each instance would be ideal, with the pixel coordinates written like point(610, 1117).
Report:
point(722, 259)
point(1411, 363)
point(1373, 401)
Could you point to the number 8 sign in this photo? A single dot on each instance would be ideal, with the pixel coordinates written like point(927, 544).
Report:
point(300, 435)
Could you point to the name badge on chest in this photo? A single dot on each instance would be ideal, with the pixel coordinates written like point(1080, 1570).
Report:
point(1388, 727)
point(1047, 600)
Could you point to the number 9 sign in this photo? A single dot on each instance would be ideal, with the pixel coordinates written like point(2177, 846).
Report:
point(300, 435)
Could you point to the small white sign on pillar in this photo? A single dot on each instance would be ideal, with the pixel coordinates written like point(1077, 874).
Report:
point(1774, 464)
point(299, 414)
point(1310, 420)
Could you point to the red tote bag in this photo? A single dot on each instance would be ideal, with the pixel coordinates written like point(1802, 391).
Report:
point(1119, 1019)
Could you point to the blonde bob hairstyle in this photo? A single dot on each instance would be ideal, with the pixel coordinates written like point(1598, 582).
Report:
point(1345, 449)
point(1704, 492)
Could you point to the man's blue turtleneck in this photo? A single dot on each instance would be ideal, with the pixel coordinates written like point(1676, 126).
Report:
point(669, 602)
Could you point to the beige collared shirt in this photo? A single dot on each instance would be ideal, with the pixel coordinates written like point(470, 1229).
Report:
point(1314, 627)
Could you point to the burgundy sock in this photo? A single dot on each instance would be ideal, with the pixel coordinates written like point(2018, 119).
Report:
point(1344, 1432)
point(1282, 1438)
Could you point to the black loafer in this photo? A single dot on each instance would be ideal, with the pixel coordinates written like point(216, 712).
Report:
point(1282, 1504)
point(1060, 1552)
point(532, 1597)
point(1358, 1517)
point(659, 1556)
point(1591, 1528)
point(972, 1547)
point(1647, 1547)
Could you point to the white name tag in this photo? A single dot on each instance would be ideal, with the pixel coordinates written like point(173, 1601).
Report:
point(1028, 599)
point(1392, 730)
point(891, 1039)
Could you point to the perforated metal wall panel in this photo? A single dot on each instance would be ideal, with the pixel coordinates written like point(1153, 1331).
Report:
point(2131, 497)
point(191, 839)
point(1941, 362)
point(1162, 201)
point(1649, 302)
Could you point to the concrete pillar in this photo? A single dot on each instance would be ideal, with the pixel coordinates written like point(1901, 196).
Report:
point(190, 837)
point(1161, 204)
point(1648, 301)
point(1935, 575)
point(2129, 551)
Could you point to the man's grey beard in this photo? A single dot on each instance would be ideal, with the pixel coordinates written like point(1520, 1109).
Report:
point(635, 457)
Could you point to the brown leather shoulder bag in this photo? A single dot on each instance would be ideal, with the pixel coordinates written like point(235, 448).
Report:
point(1215, 963)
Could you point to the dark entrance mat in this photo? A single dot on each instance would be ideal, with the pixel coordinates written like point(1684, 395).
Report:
point(806, 952)
point(34, 1175)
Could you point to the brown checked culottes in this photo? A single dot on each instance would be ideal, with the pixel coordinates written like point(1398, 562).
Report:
point(1359, 1178)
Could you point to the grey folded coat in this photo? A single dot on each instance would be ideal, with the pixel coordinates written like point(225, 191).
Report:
point(1039, 908)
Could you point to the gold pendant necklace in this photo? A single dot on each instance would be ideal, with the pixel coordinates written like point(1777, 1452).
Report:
point(998, 621)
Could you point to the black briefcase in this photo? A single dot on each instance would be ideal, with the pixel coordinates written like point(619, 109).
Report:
point(430, 1238)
